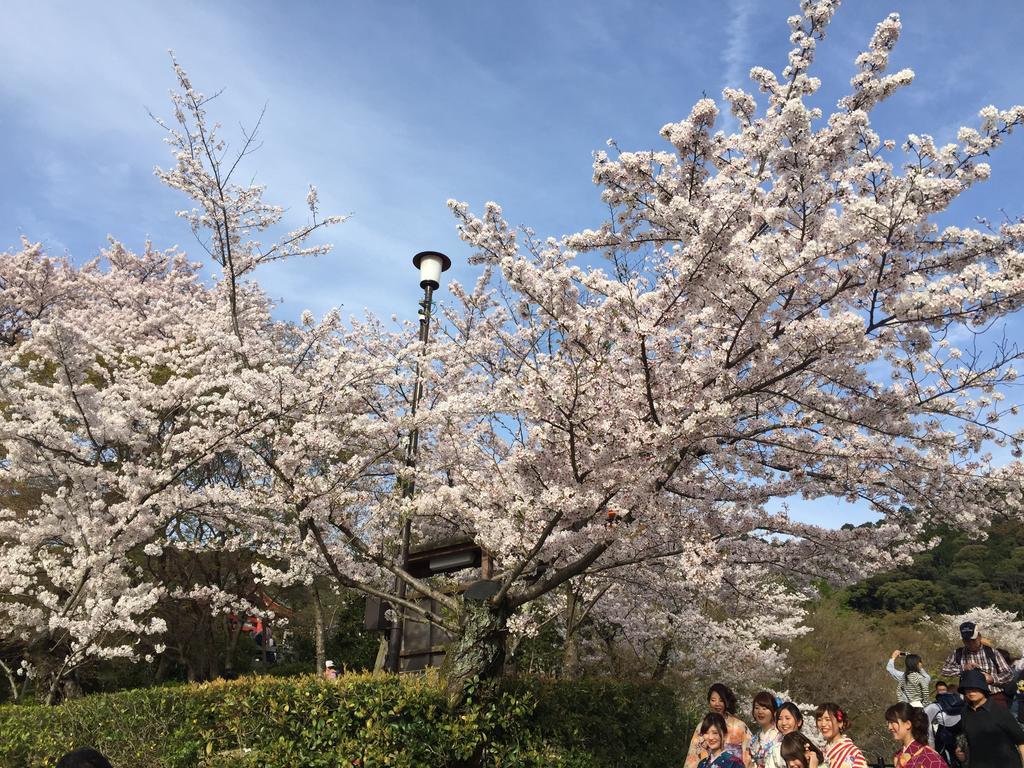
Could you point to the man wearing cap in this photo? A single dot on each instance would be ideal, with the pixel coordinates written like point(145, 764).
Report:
point(994, 737)
point(329, 671)
point(975, 655)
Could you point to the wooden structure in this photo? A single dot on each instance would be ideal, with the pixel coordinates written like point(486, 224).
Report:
point(423, 643)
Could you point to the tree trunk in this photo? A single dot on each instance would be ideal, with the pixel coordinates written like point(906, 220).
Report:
point(54, 689)
point(163, 668)
point(318, 631)
point(232, 633)
point(664, 658)
point(571, 645)
point(210, 661)
point(9, 673)
point(24, 688)
point(266, 640)
point(382, 654)
point(478, 652)
point(71, 688)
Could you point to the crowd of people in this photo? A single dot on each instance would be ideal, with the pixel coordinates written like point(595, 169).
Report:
point(973, 723)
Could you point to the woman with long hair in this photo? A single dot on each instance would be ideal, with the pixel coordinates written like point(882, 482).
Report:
point(722, 701)
point(800, 752)
point(788, 719)
point(840, 751)
point(913, 682)
point(909, 728)
point(712, 730)
point(767, 735)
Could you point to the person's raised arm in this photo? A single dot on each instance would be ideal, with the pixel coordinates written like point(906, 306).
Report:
point(890, 666)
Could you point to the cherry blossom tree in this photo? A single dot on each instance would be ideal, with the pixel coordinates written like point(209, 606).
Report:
point(129, 388)
point(1004, 628)
point(613, 415)
point(773, 316)
point(93, 425)
point(610, 415)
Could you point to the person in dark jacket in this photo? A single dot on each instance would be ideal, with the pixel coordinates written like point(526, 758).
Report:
point(83, 757)
point(995, 738)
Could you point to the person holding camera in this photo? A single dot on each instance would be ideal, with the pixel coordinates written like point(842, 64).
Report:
point(912, 684)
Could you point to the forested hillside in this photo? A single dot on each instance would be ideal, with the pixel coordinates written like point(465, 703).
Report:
point(964, 571)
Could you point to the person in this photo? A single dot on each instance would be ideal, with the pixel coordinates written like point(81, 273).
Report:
point(944, 724)
point(722, 701)
point(800, 752)
point(1017, 706)
point(712, 732)
point(767, 736)
point(940, 688)
point(83, 757)
point(976, 655)
point(994, 738)
point(962, 753)
point(840, 751)
point(1011, 688)
point(329, 671)
point(908, 726)
point(913, 683)
point(788, 719)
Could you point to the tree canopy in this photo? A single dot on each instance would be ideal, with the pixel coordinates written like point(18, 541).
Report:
point(767, 311)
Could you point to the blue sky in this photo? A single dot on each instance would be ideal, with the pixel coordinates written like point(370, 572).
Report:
point(392, 108)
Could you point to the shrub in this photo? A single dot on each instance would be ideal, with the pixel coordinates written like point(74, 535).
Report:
point(358, 719)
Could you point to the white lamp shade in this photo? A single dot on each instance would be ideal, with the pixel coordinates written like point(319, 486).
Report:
point(431, 264)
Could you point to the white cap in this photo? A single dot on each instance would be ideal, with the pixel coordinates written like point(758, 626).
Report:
point(328, 664)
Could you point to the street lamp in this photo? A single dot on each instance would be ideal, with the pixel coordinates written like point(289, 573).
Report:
point(430, 264)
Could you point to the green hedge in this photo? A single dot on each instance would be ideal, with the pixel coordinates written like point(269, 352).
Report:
point(357, 720)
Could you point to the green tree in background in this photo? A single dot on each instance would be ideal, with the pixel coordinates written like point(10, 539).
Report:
point(962, 572)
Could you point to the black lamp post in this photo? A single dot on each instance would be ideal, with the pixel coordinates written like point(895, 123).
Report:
point(430, 264)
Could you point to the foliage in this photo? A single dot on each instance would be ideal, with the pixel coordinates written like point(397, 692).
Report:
point(962, 571)
point(376, 720)
point(843, 659)
point(615, 720)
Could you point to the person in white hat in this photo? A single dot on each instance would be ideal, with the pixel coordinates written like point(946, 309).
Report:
point(329, 671)
point(974, 654)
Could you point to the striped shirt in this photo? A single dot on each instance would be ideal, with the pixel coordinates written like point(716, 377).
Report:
point(843, 753)
point(912, 686)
